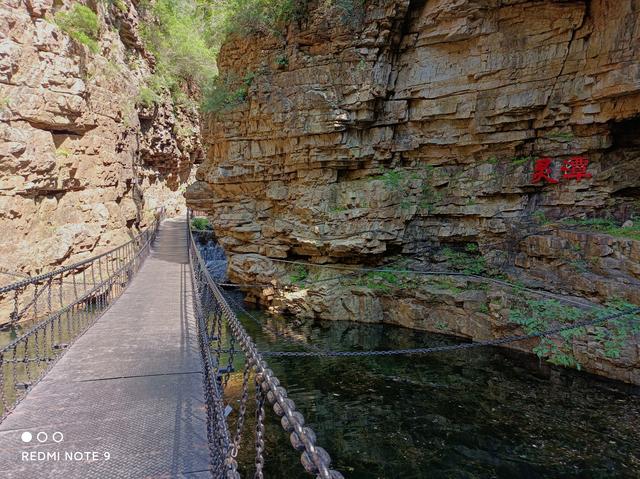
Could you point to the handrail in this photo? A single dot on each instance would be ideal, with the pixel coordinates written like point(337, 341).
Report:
point(39, 278)
point(314, 458)
point(63, 307)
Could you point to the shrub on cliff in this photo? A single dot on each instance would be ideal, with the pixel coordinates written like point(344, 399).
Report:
point(200, 224)
point(266, 17)
point(255, 16)
point(80, 23)
point(178, 33)
point(220, 94)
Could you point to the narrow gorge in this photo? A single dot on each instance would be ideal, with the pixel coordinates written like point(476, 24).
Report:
point(86, 160)
point(322, 239)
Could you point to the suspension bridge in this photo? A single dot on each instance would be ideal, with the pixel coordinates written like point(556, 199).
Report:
point(119, 364)
point(140, 392)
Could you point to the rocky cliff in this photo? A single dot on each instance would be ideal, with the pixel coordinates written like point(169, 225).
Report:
point(83, 163)
point(410, 133)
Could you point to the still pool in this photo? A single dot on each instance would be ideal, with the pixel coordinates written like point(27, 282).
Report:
point(483, 413)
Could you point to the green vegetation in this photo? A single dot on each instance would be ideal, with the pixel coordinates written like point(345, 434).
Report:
point(282, 61)
point(518, 286)
point(185, 36)
point(269, 17)
point(63, 152)
point(469, 261)
point(540, 315)
point(220, 95)
point(300, 275)
point(245, 17)
point(118, 4)
point(541, 218)
point(537, 316)
point(579, 265)
point(447, 284)
point(147, 97)
point(429, 197)
point(182, 130)
point(80, 23)
point(521, 160)
point(200, 224)
point(392, 178)
point(181, 40)
point(399, 179)
point(560, 136)
point(618, 330)
point(607, 226)
point(381, 281)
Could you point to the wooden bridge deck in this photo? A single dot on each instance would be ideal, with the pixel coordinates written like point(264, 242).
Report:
point(130, 387)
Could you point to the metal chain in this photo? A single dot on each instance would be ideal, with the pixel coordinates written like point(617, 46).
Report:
point(231, 354)
point(49, 295)
point(15, 317)
point(260, 432)
point(35, 302)
point(223, 466)
point(454, 347)
point(315, 460)
point(3, 398)
point(242, 412)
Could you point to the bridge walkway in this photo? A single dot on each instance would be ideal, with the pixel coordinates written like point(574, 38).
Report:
point(129, 388)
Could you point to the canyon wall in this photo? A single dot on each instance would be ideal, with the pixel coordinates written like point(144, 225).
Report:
point(83, 165)
point(407, 133)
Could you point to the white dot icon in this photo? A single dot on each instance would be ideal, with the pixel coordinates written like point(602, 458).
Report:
point(26, 436)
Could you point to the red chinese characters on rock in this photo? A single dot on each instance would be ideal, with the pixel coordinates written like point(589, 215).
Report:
point(542, 171)
point(574, 168)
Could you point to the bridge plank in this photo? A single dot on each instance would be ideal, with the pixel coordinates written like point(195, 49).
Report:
point(131, 386)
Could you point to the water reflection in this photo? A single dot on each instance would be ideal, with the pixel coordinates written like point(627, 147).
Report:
point(483, 413)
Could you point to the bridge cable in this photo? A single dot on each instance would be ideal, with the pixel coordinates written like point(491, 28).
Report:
point(455, 347)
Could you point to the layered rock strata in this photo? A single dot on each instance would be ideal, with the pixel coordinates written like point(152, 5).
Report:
point(412, 129)
point(82, 164)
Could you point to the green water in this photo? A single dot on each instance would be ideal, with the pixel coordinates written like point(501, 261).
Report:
point(484, 413)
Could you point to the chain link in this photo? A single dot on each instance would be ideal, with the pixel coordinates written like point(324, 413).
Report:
point(315, 460)
point(260, 432)
point(454, 347)
point(243, 409)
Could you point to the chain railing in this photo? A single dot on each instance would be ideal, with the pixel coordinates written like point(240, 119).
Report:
point(218, 326)
point(42, 315)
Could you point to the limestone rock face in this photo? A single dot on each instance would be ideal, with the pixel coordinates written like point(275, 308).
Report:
point(82, 166)
point(402, 128)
